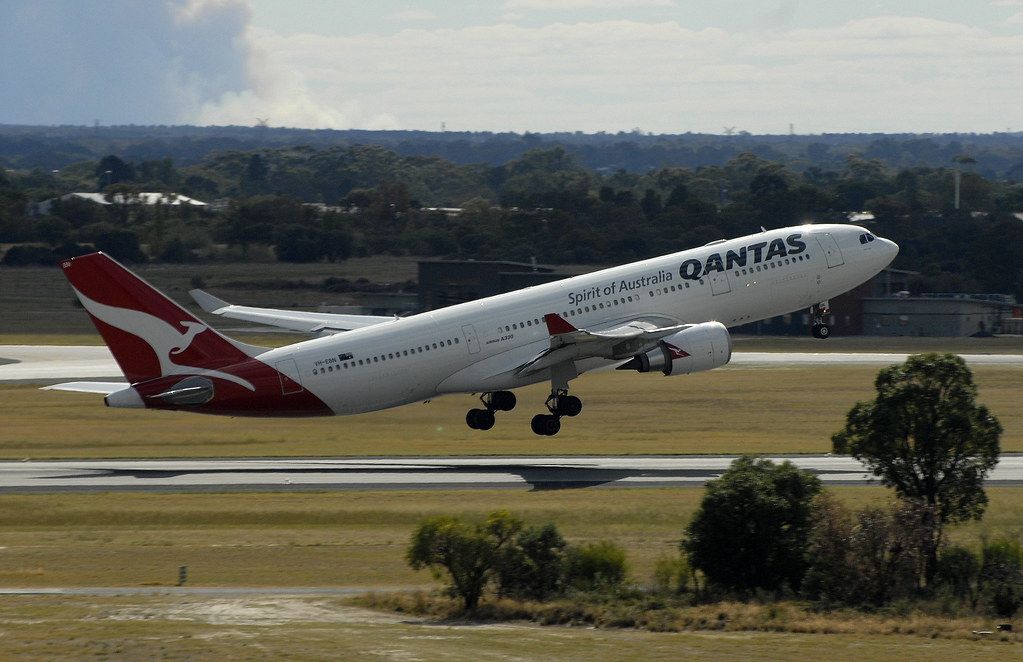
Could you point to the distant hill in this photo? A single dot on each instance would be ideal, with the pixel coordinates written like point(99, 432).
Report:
point(998, 156)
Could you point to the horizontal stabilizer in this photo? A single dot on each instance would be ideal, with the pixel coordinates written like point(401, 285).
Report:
point(293, 320)
point(102, 388)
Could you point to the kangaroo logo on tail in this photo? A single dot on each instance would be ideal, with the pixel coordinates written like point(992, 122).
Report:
point(161, 336)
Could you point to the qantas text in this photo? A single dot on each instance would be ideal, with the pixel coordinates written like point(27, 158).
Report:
point(694, 269)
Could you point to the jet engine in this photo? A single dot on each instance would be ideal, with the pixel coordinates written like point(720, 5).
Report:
point(700, 347)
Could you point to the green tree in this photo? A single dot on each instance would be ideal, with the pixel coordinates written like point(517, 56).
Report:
point(752, 528)
point(112, 170)
point(533, 566)
point(469, 553)
point(925, 436)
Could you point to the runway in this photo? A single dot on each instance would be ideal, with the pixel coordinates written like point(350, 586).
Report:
point(415, 473)
point(53, 362)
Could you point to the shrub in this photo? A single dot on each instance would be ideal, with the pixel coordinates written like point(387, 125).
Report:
point(468, 552)
point(1001, 576)
point(672, 574)
point(959, 571)
point(532, 568)
point(752, 528)
point(596, 565)
point(19, 256)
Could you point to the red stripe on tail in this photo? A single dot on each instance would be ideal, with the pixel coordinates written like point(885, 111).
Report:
point(149, 335)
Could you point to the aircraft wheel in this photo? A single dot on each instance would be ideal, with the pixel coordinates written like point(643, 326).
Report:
point(502, 400)
point(815, 330)
point(480, 419)
point(545, 425)
point(569, 405)
point(484, 419)
point(823, 331)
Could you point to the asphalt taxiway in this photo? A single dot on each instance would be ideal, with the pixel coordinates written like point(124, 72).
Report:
point(415, 473)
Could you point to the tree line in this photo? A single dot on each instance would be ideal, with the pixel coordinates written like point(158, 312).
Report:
point(544, 204)
point(49, 148)
point(768, 532)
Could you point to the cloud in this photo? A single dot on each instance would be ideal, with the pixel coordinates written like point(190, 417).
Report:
point(575, 5)
point(413, 15)
point(118, 61)
point(204, 62)
point(883, 73)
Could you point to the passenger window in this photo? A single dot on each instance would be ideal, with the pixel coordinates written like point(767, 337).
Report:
point(456, 341)
point(529, 322)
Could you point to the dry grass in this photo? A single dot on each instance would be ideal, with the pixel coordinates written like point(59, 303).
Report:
point(334, 538)
point(729, 410)
point(274, 627)
point(359, 539)
point(664, 614)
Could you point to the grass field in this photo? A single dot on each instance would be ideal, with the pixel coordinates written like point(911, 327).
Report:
point(358, 539)
point(729, 410)
point(333, 538)
point(271, 628)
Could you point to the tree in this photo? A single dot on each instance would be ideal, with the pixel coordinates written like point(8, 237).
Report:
point(925, 436)
point(113, 170)
point(752, 528)
point(532, 567)
point(468, 552)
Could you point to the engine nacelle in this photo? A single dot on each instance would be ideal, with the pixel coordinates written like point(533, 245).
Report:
point(700, 347)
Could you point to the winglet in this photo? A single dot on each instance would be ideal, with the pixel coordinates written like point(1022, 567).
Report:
point(207, 301)
point(556, 324)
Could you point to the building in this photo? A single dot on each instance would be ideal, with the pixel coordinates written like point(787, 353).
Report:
point(846, 318)
point(44, 207)
point(953, 315)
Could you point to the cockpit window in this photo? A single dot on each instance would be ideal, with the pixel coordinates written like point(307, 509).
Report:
point(866, 237)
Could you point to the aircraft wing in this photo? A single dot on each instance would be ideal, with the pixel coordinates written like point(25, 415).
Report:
point(571, 344)
point(103, 388)
point(286, 319)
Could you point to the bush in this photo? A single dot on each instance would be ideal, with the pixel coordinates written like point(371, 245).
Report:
point(532, 568)
point(595, 566)
point(524, 562)
point(959, 571)
point(1001, 576)
point(20, 256)
point(752, 528)
point(870, 557)
point(672, 574)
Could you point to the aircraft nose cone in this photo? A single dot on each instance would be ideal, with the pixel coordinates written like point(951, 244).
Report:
point(891, 249)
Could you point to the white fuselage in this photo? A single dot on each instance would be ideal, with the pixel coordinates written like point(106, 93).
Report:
point(477, 346)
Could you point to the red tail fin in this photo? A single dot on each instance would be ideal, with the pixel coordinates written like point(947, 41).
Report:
point(149, 335)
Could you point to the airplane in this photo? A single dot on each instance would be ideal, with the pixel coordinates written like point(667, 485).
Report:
point(667, 315)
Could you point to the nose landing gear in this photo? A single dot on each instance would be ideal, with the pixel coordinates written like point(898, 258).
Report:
point(483, 419)
point(818, 314)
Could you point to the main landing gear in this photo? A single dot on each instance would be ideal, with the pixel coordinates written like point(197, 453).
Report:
point(483, 419)
point(819, 313)
point(559, 403)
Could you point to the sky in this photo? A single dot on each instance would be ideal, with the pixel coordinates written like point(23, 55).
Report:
point(659, 66)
